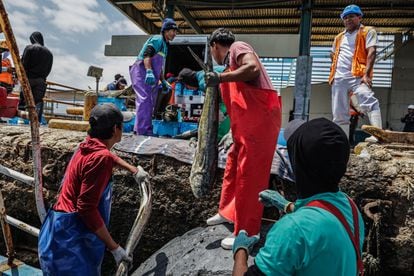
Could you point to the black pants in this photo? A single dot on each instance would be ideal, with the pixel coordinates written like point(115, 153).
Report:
point(38, 87)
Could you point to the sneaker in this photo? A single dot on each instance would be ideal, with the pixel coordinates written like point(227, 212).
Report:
point(227, 243)
point(371, 139)
point(217, 219)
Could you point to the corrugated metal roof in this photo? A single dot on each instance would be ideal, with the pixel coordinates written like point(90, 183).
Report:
point(265, 16)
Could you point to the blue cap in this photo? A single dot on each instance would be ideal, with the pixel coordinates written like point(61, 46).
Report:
point(168, 24)
point(351, 9)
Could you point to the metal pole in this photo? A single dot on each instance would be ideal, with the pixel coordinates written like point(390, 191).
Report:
point(6, 232)
point(170, 11)
point(97, 86)
point(22, 226)
point(17, 175)
point(304, 64)
point(34, 122)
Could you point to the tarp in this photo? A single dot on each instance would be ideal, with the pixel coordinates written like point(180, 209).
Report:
point(184, 150)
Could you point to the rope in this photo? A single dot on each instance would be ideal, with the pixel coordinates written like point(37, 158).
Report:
point(372, 258)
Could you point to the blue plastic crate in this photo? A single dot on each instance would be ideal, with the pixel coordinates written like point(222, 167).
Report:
point(187, 126)
point(129, 126)
point(120, 103)
point(281, 139)
point(162, 128)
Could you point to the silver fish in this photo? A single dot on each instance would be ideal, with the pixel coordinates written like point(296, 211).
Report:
point(140, 222)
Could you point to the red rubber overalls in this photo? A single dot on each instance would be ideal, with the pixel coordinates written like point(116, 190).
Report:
point(255, 116)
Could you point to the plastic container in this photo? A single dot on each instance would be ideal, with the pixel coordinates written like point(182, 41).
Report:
point(129, 126)
point(186, 126)
point(120, 103)
point(9, 110)
point(281, 139)
point(3, 96)
point(162, 128)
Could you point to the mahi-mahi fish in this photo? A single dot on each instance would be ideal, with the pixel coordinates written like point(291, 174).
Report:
point(204, 167)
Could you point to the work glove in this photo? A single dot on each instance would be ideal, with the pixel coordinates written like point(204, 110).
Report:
point(243, 241)
point(120, 255)
point(140, 175)
point(270, 198)
point(212, 79)
point(226, 141)
point(166, 86)
point(149, 77)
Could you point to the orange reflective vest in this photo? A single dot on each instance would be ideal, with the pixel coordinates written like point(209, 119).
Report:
point(359, 61)
point(6, 77)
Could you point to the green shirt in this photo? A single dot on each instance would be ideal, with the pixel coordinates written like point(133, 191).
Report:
point(311, 241)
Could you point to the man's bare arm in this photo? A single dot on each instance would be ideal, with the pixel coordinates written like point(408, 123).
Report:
point(249, 69)
point(240, 262)
point(372, 53)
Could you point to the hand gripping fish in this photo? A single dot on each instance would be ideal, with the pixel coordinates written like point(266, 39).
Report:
point(141, 220)
point(204, 167)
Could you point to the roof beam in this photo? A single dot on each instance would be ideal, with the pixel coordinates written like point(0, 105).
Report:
point(190, 20)
point(136, 16)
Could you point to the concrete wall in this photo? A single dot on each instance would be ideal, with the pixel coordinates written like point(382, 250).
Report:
point(320, 103)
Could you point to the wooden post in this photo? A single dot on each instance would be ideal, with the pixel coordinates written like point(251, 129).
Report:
point(91, 99)
point(34, 122)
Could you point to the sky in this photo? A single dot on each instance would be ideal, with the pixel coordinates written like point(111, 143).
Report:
point(76, 32)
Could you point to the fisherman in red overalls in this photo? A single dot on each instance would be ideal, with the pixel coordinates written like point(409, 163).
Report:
point(255, 113)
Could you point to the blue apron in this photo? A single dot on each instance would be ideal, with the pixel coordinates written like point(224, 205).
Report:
point(68, 247)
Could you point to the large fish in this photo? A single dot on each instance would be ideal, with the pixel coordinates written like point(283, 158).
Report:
point(140, 222)
point(204, 167)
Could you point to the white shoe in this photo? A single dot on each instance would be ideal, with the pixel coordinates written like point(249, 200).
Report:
point(227, 243)
point(217, 219)
point(371, 139)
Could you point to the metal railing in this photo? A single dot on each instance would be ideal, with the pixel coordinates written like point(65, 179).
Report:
point(7, 220)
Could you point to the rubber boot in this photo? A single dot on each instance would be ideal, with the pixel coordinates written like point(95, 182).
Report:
point(345, 128)
point(376, 121)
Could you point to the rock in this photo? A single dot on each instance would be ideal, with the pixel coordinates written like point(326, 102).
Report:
point(197, 252)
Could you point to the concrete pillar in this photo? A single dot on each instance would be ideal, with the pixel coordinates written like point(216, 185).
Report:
point(304, 65)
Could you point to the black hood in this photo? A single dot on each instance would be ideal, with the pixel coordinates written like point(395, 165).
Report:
point(319, 154)
point(37, 37)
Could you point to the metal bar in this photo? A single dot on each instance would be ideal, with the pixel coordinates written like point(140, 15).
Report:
point(170, 11)
point(17, 175)
point(22, 226)
point(34, 122)
point(189, 19)
point(61, 102)
point(62, 85)
point(136, 16)
point(6, 232)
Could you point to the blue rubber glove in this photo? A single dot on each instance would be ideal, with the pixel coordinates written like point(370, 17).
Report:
point(243, 241)
point(149, 77)
point(166, 86)
point(270, 198)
